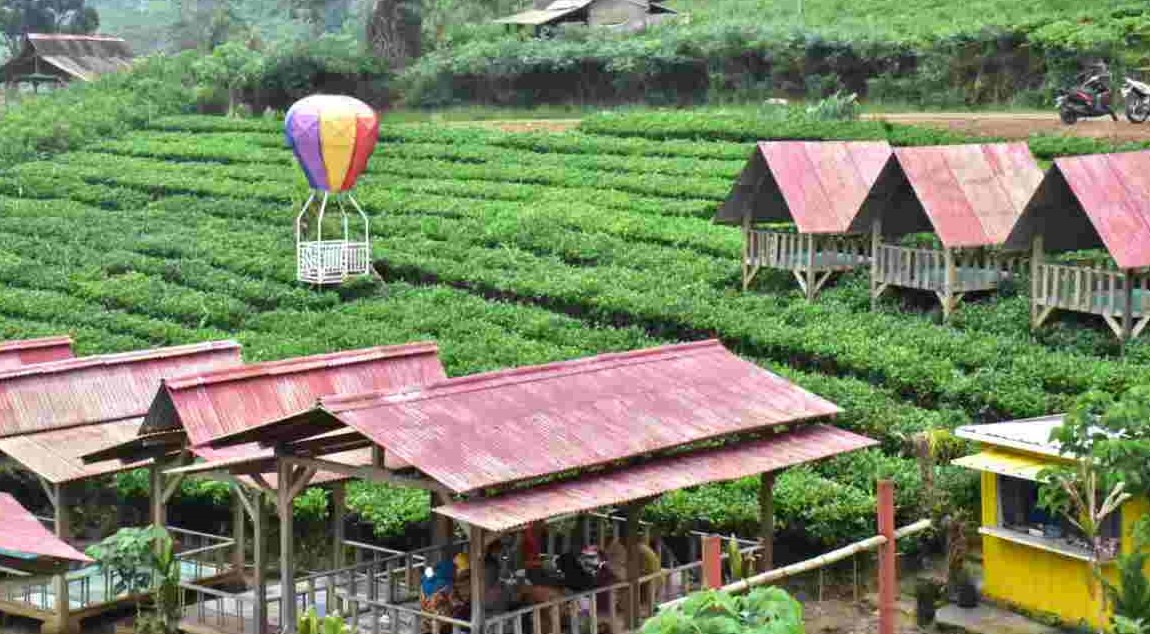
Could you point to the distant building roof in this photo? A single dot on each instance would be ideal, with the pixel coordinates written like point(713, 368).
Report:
point(83, 57)
point(24, 538)
point(1101, 200)
point(558, 10)
point(819, 185)
point(969, 195)
point(20, 352)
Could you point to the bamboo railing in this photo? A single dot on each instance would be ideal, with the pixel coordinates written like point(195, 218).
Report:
point(1120, 297)
point(962, 271)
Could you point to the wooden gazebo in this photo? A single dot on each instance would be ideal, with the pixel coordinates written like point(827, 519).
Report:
point(798, 204)
point(507, 449)
point(57, 411)
point(189, 410)
point(1089, 202)
point(969, 196)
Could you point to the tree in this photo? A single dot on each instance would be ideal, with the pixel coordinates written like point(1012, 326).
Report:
point(231, 66)
point(18, 17)
point(395, 31)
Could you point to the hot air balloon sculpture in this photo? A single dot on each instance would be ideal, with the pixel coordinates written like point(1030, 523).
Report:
point(332, 138)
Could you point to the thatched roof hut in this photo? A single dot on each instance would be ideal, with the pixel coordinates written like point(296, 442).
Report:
point(66, 57)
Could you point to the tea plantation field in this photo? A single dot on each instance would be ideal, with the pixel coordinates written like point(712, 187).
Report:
point(511, 249)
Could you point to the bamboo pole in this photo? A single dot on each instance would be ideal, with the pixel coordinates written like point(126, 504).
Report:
point(1036, 252)
point(875, 279)
point(808, 565)
point(767, 520)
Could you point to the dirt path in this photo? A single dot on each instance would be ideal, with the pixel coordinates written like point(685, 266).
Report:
point(1019, 125)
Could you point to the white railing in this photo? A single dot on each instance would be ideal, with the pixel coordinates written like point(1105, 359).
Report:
point(926, 269)
point(332, 261)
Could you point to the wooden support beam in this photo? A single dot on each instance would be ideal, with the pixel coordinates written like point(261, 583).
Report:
point(950, 282)
point(338, 516)
point(747, 273)
point(258, 513)
point(876, 284)
point(631, 532)
point(767, 521)
point(372, 474)
point(239, 531)
point(291, 481)
point(478, 579)
point(811, 286)
point(171, 486)
point(63, 520)
point(1036, 256)
point(441, 527)
point(1128, 308)
point(158, 511)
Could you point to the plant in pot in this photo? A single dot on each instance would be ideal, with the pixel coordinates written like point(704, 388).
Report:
point(967, 589)
point(926, 594)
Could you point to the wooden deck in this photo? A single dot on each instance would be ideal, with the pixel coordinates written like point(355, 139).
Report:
point(811, 258)
point(948, 273)
point(1121, 298)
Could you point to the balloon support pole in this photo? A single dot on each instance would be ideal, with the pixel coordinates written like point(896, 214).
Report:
point(329, 261)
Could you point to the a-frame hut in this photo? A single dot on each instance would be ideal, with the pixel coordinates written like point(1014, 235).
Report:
point(1089, 202)
point(970, 197)
point(798, 204)
point(62, 57)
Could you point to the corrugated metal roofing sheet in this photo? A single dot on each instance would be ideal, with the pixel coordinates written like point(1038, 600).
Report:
point(820, 185)
point(57, 455)
point(500, 427)
point(216, 403)
point(1004, 463)
point(21, 352)
point(554, 11)
point(593, 491)
point(972, 195)
point(24, 534)
point(80, 56)
point(98, 389)
point(1027, 434)
point(1113, 190)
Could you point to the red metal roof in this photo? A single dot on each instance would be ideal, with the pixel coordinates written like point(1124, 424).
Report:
point(25, 535)
point(598, 490)
point(216, 403)
point(821, 185)
point(21, 352)
point(971, 194)
point(98, 389)
point(500, 427)
point(57, 455)
point(1114, 192)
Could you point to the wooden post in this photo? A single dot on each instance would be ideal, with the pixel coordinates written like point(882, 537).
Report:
point(478, 579)
point(875, 243)
point(441, 528)
point(746, 249)
point(1128, 308)
point(239, 531)
point(1036, 255)
point(338, 515)
point(63, 520)
point(812, 241)
point(260, 562)
point(887, 573)
point(158, 513)
point(712, 562)
point(948, 284)
point(631, 532)
point(767, 521)
point(284, 483)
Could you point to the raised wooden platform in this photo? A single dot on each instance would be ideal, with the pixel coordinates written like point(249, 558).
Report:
point(811, 258)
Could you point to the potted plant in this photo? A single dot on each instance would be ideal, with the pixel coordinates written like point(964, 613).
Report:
point(967, 589)
point(926, 593)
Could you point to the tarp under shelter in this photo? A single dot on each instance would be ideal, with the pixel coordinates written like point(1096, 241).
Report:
point(969, 195)
point(67, 57)
point(1085, 202)
point(819, 185)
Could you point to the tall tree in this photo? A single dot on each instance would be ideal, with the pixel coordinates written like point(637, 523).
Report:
point(395, 30)
point(18, 17)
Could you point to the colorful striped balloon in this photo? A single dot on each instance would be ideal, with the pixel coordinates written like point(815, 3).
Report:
point(332, 137)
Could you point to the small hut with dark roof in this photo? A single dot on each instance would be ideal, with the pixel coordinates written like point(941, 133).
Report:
point(60, 58)
point(1100, 201)
point(799, 203)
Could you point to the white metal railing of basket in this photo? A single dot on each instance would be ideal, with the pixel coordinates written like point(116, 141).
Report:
point(330, 261)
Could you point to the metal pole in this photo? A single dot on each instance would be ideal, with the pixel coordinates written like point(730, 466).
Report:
point(887, 574)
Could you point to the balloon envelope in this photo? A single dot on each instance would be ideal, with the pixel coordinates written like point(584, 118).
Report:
point(332, 137)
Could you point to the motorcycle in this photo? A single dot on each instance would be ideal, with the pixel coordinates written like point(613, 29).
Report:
point(1136, 95)
point(1090, 99)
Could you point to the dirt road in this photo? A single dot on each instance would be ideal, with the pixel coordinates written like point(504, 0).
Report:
point(1019, 125)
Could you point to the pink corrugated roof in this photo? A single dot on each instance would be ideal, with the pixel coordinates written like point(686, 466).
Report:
point(1114, 191)
point(21, 352)
point(608, 488)
point(489, 429)
point(972, 194)
point(25, 535)
point(824, 183)
point(57, 454)
point(98, 389)
point(216, 403)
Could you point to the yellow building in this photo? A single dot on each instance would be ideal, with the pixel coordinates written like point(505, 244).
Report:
point(1031, 561)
